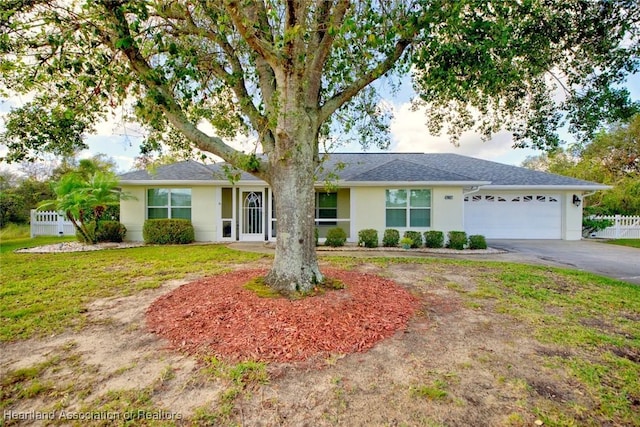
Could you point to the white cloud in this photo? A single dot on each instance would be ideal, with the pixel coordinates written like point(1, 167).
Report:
point(410, 134)
point(241, 142)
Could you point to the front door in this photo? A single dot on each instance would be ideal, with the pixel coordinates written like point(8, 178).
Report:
point(252, 215)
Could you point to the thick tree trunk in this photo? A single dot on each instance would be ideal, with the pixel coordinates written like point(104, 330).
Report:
point(295, 268)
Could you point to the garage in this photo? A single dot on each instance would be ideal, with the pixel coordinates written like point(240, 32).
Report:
point(513, 216)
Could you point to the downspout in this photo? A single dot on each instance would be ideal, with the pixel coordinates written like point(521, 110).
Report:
point(472, 190)
point(583, 197)
point(587, 195)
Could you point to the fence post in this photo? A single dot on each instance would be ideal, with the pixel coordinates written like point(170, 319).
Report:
point(60, 224)
point(32, 222)
point(618, 220)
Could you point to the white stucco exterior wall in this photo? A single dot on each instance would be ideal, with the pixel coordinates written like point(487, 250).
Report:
point(447, 209)
point(364, 205)
point(571, 217)
point(369, 206)
point(447, 214)
point(205, 213)
point(132, 213)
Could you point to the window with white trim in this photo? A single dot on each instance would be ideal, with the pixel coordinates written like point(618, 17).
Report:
point(169, 203)
point(408, 208)
point(327, 207)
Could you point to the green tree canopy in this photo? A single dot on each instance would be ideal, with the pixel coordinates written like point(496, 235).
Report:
point(613, 157)
point(289, 73)
point(481, 65)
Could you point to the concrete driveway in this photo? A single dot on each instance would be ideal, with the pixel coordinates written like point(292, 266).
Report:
point(619, 262)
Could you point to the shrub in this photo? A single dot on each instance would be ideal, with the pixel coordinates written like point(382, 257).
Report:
point(415, 237)
point(391, 238)
point(406, 242)
point(110, 231)
point(593, 224)
point(457, 239)
point(477, 241)
point(434, 239)
point(168, 231)
point(368, 238)
point(336, 237)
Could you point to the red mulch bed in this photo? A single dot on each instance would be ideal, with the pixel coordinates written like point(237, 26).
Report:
point(218, 316)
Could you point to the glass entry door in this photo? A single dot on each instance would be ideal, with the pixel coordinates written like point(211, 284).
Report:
point(252, 215)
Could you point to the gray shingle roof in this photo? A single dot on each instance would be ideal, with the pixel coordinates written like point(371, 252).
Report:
point(188, 170)
point(403, 170)
point(380, 167)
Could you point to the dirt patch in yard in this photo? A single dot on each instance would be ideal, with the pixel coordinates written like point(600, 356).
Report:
point(448, 364)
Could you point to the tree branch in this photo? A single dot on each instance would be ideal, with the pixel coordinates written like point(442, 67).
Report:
point(164, 96)
point(235, 80)
point(255, 37)
point(324, 41)
point(339, 99)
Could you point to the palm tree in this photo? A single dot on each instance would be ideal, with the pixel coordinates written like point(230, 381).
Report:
point(101, 192)
point(83, 199)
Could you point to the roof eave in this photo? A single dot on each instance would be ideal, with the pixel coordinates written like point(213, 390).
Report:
point(576, 187)
point(183, 182)
point(411, 183)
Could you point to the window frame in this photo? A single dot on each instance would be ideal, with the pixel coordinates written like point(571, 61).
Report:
point(408, 208)
point(169, 207)
point(318, 208)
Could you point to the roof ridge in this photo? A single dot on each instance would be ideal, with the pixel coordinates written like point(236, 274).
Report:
point(440, 170)
point(201, 165)
point(377, 166)
point(413, 163)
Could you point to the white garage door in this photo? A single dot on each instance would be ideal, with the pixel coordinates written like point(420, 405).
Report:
point(514, 216)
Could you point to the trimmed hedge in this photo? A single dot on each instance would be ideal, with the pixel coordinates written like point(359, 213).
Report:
point(433, 239)
point(477, 241)
point(457, 240)
point(168, 231)
point(415, 237)
point(391, 238)
point(110, 231)
point(368, 238)
point(336, 237)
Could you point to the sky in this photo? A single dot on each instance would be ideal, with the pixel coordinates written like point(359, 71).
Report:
point(409, 133)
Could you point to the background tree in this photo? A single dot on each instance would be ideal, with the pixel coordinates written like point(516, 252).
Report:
point(84, 167)
point(33, 183)
point(18, 195)
point(291, 72)
point(613, 158)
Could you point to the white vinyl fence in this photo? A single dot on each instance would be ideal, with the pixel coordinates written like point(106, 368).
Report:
point(50, 223)
point(624, 227)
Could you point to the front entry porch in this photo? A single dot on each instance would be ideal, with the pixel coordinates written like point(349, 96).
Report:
point(247, 214)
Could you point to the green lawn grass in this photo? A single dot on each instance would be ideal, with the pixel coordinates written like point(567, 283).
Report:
point(594, 320)
point(597, 319)
point(632, 243)
point(46, 293)
point(14, 231)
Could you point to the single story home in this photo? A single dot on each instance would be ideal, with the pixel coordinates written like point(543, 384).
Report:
point(355, 191)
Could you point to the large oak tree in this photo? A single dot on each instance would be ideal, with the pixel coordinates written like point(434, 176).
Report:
point(292, 72)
